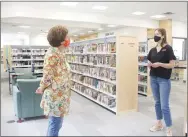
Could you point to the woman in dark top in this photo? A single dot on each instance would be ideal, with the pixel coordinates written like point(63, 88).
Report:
point(161, 61)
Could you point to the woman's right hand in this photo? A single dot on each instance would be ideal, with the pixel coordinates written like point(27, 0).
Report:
point(39, 91)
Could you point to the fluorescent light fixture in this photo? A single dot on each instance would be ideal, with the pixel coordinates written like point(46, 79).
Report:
point(75, 35)
point(99, 7)
point(70, 4)
point(158, 16)
point(90, 31)
point(111, 26)
point(138, 13)
point(43, 33)
point(100, 29)
point(125, 33)
point(21, 32)
point(25, 27)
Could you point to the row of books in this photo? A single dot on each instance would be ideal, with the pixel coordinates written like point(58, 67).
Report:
point(142, 89)
point(142, 69)
point(95, 83)
point(93, 59)
point(95, 71)
point(142, 59)
point(142, 78)
point(98, 96)
point(109, 47)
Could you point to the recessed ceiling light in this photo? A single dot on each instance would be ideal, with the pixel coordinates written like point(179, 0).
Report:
point(24, 27)
point(70, 4)
point(99, 7)
point(111, 26)
point(158, 16)
point(138, 13)
point(100, 29)
point(43, 33)
point(90, 31)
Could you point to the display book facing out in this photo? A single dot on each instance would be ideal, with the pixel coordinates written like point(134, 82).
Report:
point(23, 56)
point(143, 81)
point(143, 70)
point(104, 70)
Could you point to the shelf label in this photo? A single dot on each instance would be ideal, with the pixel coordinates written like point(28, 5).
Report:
point(131, 44)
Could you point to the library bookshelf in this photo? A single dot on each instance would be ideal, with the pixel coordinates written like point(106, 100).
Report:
point(144, 87)
point(24, 56)
point(104, 70)
point(143, 70)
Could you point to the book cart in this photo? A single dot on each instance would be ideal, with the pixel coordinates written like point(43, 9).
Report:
point(104, 70)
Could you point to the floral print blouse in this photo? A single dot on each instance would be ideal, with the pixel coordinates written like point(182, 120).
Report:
point(57, 84)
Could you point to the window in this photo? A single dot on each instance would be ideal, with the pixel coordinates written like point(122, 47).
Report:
point(180, 47)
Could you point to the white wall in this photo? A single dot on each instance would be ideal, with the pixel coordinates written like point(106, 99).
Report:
point(179, 29)
point(140, 33)
point(4, 75)
point(38, 39)
point(14, 39)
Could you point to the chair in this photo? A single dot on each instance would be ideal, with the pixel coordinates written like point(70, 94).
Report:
point(26, 101)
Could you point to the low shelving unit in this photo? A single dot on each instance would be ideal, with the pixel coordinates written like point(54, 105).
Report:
point(22, 56)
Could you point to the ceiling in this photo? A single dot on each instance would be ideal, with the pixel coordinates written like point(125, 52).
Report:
point(120, 9)
point(37, 25)
point(114, 9)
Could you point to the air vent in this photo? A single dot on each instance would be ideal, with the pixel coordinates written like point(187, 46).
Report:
point(168, 13)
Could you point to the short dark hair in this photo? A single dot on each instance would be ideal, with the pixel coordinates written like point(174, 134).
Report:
point(56, 35)
point(163, 33)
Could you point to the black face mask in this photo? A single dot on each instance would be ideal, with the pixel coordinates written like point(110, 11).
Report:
point(157, 38)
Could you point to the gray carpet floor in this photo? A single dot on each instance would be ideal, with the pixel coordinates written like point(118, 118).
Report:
point(86, 118)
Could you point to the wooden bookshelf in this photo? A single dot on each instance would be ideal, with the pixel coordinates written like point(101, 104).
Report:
point(104, 70)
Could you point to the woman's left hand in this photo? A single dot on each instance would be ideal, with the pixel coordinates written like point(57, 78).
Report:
point(156, 65)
